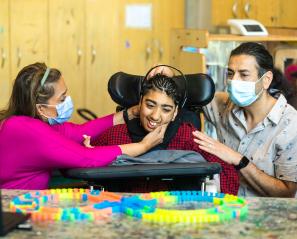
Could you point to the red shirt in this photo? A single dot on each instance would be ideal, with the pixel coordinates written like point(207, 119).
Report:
point(183, 140)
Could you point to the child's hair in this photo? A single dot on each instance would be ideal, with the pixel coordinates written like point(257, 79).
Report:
point(162, 83)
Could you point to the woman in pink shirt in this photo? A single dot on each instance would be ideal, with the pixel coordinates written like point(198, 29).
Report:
point(35, 138)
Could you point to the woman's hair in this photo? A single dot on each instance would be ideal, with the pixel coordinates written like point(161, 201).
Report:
point(164, 84)
point(27, 91)
point(265, 63)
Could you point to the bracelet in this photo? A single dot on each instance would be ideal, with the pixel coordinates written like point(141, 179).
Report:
point(242, 163)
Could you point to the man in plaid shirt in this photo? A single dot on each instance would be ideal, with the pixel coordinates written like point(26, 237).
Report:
point(159, 105)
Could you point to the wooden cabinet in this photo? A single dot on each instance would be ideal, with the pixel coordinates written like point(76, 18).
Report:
point(5, 81)
point(265, 11)
point(113, 45)
point(165, 19)
point(196, 61)
point(141, 48)
point(88, 40)
point(83, 40)
point(23, 39)
point(28, 33)
point(288, 15)
point(221, 11)
point(135, 44)
point(67, 46)
point(101, 53)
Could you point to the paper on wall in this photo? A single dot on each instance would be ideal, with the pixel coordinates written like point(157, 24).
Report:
point(138, 16)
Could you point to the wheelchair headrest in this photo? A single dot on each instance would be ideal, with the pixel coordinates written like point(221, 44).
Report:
point(125, 89)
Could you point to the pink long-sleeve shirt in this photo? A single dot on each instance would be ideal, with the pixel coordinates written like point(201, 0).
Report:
point(30, 149)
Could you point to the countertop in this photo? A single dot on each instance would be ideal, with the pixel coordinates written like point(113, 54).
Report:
point(268, 218)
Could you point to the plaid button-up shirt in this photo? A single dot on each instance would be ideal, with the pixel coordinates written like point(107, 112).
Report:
point(183, 140)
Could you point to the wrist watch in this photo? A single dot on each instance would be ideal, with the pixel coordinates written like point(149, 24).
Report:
point(242, 163)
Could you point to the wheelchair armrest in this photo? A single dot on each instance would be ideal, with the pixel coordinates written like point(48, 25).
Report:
point(144, 170)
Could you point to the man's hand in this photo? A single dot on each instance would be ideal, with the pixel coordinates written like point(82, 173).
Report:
point(216, 148)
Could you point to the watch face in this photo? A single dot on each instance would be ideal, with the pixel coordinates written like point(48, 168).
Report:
point(243, 163)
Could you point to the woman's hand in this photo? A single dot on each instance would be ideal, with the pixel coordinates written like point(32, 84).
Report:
point(133, 112)
point(216, 148)
point(150, 140)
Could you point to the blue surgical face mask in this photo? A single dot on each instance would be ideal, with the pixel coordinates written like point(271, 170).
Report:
point(64, 112)
point(243, 93)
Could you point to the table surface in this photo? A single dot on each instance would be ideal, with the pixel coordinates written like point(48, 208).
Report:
point(271, 218)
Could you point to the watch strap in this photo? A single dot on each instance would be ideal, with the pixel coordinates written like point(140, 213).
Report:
point(242, 163)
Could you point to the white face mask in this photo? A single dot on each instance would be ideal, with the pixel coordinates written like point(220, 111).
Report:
point(243, 93)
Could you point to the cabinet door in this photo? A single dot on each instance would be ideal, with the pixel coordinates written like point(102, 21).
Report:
point(101, 53)
point(5, 79)
point(222, 10)
point(265, 11)
point(67, 46)
point(249, 9)
point(28, 33)
point(165, 19)
point(136, 36)
point(288, 15)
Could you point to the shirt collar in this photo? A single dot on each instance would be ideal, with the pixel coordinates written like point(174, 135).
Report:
point(274, 115)
point(277, 110)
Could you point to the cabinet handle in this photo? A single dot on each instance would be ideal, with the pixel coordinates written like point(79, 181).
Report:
point(79, 54)
point(93, 54)
point(247, 8)
point(273, 19)
point(3, 56)
point(148, 52)
point(19, 57)
point(234, 9)
point(160, 49)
